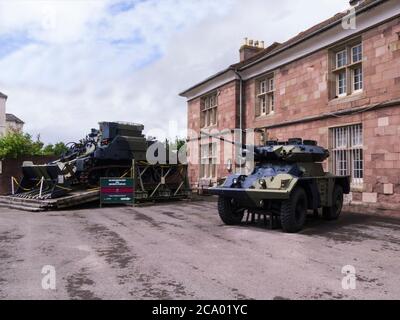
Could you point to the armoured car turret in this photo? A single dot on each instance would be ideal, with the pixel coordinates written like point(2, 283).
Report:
point(288, 179)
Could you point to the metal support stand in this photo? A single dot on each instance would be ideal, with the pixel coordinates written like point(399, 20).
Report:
point(41, 187)
point(12, 186)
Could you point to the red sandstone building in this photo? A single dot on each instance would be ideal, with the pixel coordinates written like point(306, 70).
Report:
point(331, 83)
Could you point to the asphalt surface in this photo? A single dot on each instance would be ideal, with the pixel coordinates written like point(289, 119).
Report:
point(182, 251)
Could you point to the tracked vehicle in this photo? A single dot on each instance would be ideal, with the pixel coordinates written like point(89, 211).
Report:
point(287, 181)
point(105, 152)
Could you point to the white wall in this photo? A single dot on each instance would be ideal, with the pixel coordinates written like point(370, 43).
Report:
point(2, 115)
point(13, 126)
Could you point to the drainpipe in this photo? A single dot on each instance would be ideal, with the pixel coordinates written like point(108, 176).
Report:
point(240, 104)
point(240, 108)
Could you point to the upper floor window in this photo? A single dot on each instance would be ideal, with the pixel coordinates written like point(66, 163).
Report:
point(209, 105)
point(341, 59)
point(356, 53)
point(347, 70)
point(265, 100)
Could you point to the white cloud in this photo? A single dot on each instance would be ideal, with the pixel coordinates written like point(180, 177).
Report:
point(88, 64)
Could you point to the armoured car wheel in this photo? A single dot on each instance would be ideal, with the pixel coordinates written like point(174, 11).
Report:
point(229, 213)
point(294, 211)
point(333, 212)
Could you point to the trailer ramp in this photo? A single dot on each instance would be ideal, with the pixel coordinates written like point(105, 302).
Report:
point(73, 199)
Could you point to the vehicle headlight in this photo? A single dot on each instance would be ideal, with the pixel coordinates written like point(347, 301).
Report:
point(284, 183)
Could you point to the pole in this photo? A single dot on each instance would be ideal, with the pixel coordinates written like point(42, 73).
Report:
point(41, 187)
point(133, 174)
point(12, 186)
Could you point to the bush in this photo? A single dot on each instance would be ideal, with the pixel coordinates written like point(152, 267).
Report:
point(17, 144)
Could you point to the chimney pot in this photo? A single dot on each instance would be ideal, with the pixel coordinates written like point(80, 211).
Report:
point(354, 3)
point(250, 48)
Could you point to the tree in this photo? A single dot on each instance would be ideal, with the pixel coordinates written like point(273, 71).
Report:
point(177, 144)
point(16, 144)
point(57, 150)
point(60, 148)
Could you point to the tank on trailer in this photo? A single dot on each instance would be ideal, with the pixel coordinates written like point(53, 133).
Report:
point(105, 152)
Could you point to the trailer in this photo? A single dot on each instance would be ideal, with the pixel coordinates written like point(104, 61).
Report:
point(116, 150)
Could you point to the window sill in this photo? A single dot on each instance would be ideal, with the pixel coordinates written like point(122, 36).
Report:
point(347, 98)
point(265, 116)
point(357, 188)
point(214, 126)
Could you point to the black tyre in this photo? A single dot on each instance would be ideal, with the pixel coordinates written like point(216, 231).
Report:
point(229, 213)
point(294, 211)
point(333, 212)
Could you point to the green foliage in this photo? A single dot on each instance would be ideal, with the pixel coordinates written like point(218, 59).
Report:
point(177, 144)
point(17, 144)
point(58, 149)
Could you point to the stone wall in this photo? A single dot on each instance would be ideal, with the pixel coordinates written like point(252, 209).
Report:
point(12, 168)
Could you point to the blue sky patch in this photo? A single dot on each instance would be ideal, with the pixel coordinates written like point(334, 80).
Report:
point(124, 5)
point(10, 43)
point(152, 57)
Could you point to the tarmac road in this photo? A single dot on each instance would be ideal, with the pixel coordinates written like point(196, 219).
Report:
point(182, 251)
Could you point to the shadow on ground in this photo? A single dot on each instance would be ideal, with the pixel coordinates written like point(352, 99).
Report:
point(349, 227)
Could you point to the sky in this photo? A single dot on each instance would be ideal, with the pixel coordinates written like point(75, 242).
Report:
point(66, 65)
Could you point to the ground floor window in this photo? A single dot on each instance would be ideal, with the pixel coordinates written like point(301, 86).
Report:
point(347, 152)
point(208, 161)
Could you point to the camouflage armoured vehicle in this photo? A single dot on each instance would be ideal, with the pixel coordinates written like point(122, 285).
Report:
point(288, 180)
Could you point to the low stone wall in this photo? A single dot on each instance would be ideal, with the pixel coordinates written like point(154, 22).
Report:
point(385, 209)
point(12, 168)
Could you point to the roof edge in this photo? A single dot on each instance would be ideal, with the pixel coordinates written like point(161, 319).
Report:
point(311, 35)
point(235, 67)
point(13, 118)
point(226, 70)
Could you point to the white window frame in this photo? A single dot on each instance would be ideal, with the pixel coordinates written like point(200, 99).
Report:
point(343, 94)
point(266, 95)
point(209, 160)
point(271, 103)
point(345, 58)
point(271, 84)
point(360, 82)
point(346, 64)
point(209, 110)
point(263, 104)
point(347, 153)
point(360, 53)
point(263, 87)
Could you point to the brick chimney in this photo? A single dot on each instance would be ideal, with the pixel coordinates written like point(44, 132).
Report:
point(354, 3)
point(250, 48)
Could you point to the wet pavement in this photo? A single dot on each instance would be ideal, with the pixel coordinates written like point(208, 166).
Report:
point(183, 251)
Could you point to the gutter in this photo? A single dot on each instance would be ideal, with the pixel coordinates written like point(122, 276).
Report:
point(240, 105)
point(337, 114)
point(182, 94)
